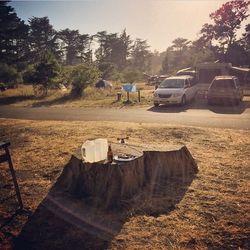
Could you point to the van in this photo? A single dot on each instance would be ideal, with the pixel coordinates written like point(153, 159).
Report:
point(175, 90)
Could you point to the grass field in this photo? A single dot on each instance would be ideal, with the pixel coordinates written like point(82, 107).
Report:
point(24, 96)
point(214, 212)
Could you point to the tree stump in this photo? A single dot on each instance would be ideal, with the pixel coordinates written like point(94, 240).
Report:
point(107, 184)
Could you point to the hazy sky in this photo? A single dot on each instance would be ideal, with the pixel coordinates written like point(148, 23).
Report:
point(157, 21)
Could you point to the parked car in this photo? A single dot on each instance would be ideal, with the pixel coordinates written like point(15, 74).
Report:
point(225, 89)
point(175, 90)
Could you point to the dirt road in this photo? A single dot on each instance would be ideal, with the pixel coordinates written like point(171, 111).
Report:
point(193, 115)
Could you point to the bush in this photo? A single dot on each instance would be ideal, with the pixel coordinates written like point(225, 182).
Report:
point(131, 76)
point(107, 70)
point(8, 74)
point(29, 73)
point(81, 76)
point(45, 74)
point(3, 86)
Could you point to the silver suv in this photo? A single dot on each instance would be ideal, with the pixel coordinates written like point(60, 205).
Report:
point(225, 89)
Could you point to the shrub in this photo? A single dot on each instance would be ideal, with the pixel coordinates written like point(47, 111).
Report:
point(29, 73)
point(81, 76)
point(45, 74)
point(8, 74)
point(131, 76)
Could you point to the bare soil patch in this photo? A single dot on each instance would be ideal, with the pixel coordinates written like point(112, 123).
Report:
point(213, 212)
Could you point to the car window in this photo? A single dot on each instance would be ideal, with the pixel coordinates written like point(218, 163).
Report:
point(186, 82)
point(223, 84)
point(172, 83)
point(192, 81)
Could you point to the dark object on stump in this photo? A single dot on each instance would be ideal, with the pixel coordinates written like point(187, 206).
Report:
point(110, 155)
point(7, 158)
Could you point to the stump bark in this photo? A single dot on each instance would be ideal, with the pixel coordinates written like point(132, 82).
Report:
point(106, 185)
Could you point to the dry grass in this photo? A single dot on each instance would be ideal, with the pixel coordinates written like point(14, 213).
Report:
point(24, 96)
point(213, 214)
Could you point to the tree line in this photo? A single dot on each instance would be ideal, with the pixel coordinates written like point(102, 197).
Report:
point(217, 40)
point(37, 53)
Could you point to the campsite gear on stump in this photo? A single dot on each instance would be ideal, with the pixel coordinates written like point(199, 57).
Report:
point(7, 158)
point(96, 199)
point(124, 157)
point(110, 155)
point(122, 139)
point(106, 185)
point(94, 150)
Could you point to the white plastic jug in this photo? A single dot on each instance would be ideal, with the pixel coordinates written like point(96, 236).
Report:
point(94, 150)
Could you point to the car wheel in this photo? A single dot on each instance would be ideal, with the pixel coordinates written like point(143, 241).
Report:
point(156, 104)
point(183, 101)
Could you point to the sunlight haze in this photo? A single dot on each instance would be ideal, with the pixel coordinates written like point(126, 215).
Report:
point(157, 21)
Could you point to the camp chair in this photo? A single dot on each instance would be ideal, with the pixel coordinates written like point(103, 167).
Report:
point(7, 158)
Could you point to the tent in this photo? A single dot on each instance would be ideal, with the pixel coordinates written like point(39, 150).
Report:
point(103, 84)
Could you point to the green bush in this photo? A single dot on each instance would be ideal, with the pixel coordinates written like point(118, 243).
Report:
point(81, 76)
point(8, 74)
point(45, 74)
point(131, 76)
point(29, 73)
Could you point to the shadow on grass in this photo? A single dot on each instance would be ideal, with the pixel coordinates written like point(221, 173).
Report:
point(62, 221)
point(229, 108)
point(6, 100)
point(220, 108)
point(60, 100)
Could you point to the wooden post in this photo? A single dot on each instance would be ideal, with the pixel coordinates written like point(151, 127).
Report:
point(127, 96)
point(139, 95)
point(119, 96)
point(7, 157)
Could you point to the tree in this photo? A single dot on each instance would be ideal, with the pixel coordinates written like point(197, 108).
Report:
point(107, 70)
point(246, 38)
point(245, 42)
point(221, 34)
point(76, 46)
point(113, 49)
point(45, 73)
point(131, 76)
point(84, 52)
point(177, 56)
point(165, 63)
point(237, 55)
point(123, 49)
point(13, 35)
point(42, 37)
point(81, 76)
point(102, 52)
point(8, 74)
point(202, 51)
point(227, 20)
point(180, 45)
point(140, 55)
